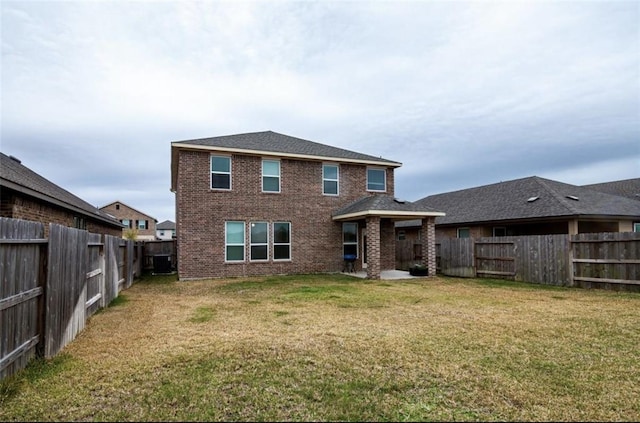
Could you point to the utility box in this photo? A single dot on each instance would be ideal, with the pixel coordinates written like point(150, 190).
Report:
point(162, 263)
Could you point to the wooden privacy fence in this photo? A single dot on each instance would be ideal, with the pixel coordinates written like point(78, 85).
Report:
point(50, 287)
point(598, 260)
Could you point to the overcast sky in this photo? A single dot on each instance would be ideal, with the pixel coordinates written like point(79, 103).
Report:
point(462, 93)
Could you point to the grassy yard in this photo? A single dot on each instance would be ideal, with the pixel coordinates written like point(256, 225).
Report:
point(337, 348)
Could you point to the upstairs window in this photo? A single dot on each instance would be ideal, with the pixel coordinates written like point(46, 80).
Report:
point(270, 176)
point(330, 179)
point(376, 180)
point(126, 223)
point(220, 172)
point(142, 224)
point(463, 233)
point(636, 227)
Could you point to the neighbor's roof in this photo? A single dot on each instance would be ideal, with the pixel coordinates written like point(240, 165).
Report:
point(629, 188)
point(384, 206)
point(527, 198)
point(167, 224)
point(14, 175)
point(269, 143)
point(129, 207)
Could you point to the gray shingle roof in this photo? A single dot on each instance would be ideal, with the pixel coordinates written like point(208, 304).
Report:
point(509, 201)
point(269, 141)
point(15, 175)
point(384, 203)
point(167, 224)
point(629, 188)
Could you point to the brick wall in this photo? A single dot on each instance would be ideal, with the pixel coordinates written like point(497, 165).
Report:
point(121, 211)
point(316, 239)
point(26, 208)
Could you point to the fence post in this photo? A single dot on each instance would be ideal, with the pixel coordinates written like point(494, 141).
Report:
point(570, 256)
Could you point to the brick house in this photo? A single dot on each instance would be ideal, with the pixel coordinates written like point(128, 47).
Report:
point(132, 219)
point(266, 203)
point(532, 206)
point(28, 196)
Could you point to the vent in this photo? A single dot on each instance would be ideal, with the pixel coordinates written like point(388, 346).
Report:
point(15, 159)
point(397, 200)
point(532, 199)
point(572, 197)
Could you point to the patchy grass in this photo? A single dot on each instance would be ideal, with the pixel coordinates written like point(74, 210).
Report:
point(338, 348)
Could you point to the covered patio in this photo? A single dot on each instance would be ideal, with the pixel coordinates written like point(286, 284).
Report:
point(374, 218)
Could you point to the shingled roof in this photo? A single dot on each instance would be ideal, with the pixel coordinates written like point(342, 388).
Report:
point(269, 143)
point(527, 198)
point(273, 142)
point(14, 175)
point(384, 206)
point(629, 188)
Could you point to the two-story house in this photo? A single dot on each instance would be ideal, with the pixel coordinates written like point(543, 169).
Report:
point(166, 230)
point(266, 203)
point(133, 220)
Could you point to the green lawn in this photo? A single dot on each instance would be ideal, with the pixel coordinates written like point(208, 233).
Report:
point(338, 348)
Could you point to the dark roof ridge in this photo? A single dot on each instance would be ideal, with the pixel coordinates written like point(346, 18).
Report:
point(544, 183)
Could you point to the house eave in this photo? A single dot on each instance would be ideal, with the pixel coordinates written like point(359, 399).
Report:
point(387, 214)
point(43, 197)
point(386, 163)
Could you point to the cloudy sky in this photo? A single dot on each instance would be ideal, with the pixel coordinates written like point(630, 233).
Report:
point(463, 93)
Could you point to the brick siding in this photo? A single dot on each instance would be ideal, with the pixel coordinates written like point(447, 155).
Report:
point(126, 212)
point(26, 208)
point(316, 240)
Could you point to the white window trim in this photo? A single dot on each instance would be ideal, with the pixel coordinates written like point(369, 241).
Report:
point(211, 172)
point(384, 172)
point(258, 244)
point(279, 176)
point(337, 180)
point(636, 226)
point(244, 242)
point(282, 243)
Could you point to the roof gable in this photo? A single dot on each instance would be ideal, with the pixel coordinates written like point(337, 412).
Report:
point(527, 198)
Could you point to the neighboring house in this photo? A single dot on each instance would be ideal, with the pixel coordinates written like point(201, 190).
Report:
point(629, 188)
point(143, 225)
point(527, 206)
point(266, 203)
point(28, 196)
point(166, 230)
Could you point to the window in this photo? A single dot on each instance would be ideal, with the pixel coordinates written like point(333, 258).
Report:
point(126, 222)
point(259, 238)
point(234, 241)
point(350, 239)
point(117, 206)
point(161, 233)
point(282, 241)
point(79, 222)
point(463, 233)
point(220, 172)
point(142, 224)
point(402, 235)
point(636, 227)
point(270, 176)
point(376, 180)
point(499, 231)
point(330, 179)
